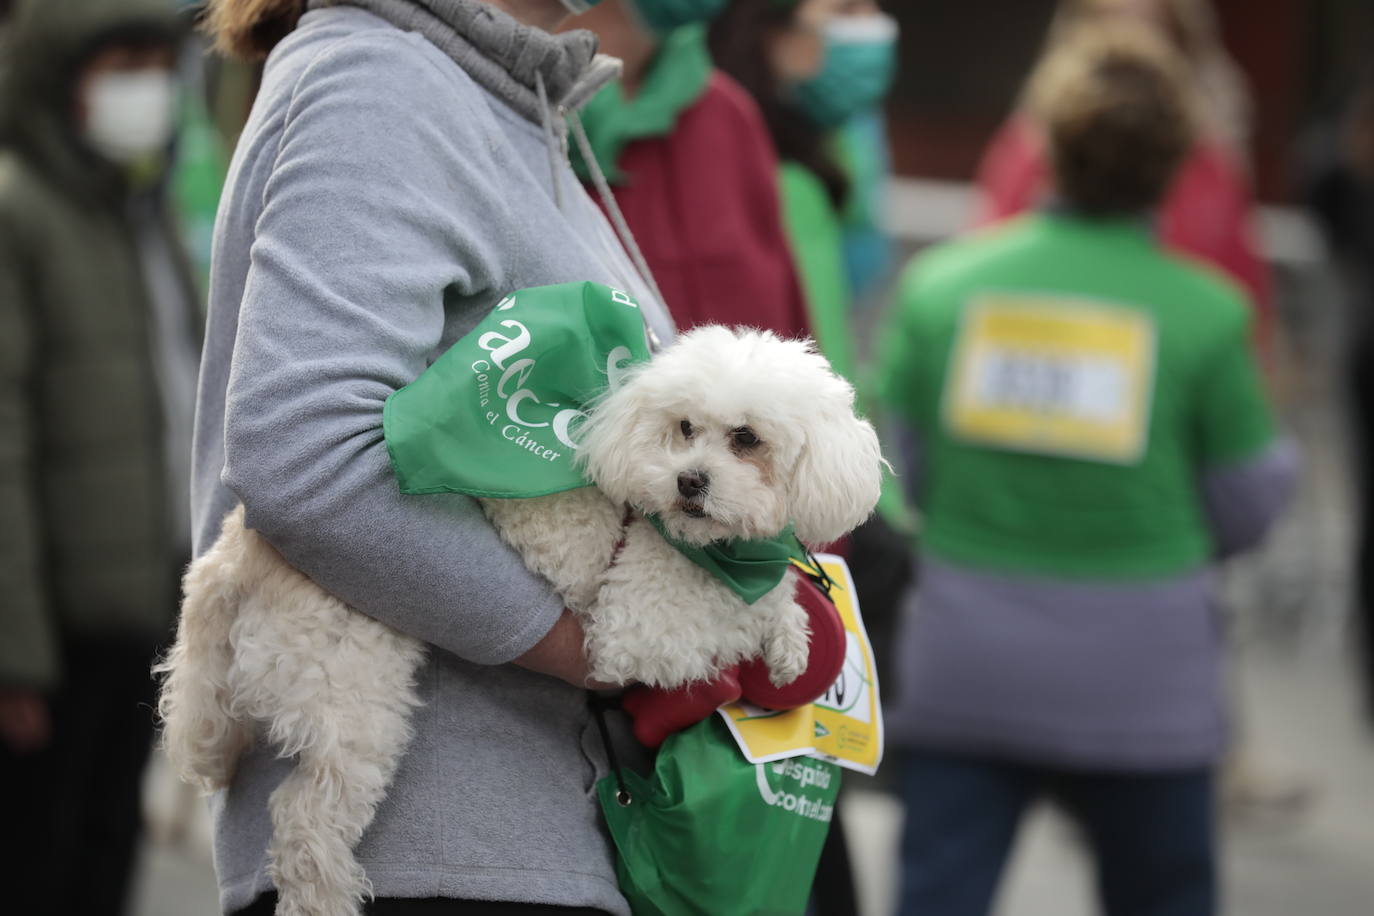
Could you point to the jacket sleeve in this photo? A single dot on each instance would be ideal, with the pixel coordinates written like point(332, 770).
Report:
point(1210, 214)
point(1244, 499)
point(1247, 472)
point(1011, 175)
point(907, 381)
point(28, 641)
point(381, 204)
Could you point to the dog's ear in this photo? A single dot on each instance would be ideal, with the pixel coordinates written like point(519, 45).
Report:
point(835, 484)
point(617, 434)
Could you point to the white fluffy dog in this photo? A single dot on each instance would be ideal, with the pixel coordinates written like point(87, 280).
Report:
point(724, 435)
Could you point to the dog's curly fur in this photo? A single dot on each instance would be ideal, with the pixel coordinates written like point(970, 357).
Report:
point(726, 434)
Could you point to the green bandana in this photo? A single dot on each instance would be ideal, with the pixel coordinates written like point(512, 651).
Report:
point(495, 415)
point(750, 569)
point(675, 80)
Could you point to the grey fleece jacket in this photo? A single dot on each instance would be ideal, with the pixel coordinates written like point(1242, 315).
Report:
point(379, 204)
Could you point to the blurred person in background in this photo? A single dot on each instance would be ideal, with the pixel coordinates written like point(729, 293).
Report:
point(814, 67)
point(1342, 194)
point(1208, 211)
point(866, 156)
point(1088, 436)
point(811, 65)
point(690, 166)
point(819, 70)
point(99, 330)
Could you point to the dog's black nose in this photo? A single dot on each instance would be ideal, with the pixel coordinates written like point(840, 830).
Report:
point(692, 483)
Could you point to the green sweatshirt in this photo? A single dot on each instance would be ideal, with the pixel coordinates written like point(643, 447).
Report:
point(1068, 381)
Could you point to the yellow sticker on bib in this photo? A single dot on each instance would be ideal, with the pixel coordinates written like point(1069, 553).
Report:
point(1053, 375)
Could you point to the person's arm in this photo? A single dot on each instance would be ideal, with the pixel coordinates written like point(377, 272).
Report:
point(1210, 214)
point(905, 380)
point(1011, 174)
point(381, 205)
point(28, 645)
point(817, 248)
point(1247, 472)
point(1243, 499)
point(29, 662)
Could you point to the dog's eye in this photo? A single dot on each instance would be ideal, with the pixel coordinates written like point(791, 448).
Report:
point(687, 430)
point(743, 437)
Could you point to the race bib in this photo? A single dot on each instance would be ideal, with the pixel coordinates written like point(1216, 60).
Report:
point(1053, 375)
point(845, 725)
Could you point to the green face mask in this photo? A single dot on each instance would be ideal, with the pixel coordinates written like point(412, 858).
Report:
point(663, 16)
point(860, 64)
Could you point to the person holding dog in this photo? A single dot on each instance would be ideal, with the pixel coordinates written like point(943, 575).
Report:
point(402, 171)
point(1088, 435)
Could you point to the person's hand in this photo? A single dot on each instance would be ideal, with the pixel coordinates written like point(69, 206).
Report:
point(561, 654)
point(24, 723)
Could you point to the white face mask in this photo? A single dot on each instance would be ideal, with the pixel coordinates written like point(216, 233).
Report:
point(130, 115)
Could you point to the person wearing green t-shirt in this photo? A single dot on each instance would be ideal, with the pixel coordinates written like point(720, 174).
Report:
point(1088, 435)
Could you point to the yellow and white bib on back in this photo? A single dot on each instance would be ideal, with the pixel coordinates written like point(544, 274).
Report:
point(1055, 375)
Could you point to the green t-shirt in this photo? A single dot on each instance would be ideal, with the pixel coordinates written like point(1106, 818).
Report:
point(817, 238)
point(816, 235)
point(1069, 381)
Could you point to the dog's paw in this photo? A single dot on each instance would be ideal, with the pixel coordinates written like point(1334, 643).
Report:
point(781, 677)
point(787, 653)
point(786, 663)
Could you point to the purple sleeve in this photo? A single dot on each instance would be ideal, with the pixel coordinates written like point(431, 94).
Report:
point(910, 460)
point(1243, 499)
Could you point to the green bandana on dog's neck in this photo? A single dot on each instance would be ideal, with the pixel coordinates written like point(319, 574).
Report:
point(750, 569)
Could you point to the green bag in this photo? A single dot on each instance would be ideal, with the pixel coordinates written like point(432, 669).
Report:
point(710, 834)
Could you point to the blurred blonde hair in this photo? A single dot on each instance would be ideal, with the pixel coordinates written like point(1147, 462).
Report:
point(250, 28)
point(1191, 26)
point(1117, 114)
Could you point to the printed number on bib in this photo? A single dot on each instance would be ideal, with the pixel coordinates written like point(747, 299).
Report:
point(1053, 375)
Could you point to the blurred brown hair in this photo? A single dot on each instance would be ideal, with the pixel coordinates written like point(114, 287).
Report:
point(1118, 117)
point(1192, 27)
point(250, 28)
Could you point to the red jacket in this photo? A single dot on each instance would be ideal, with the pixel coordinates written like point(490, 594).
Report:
point(1207, 212)
point(703, 205)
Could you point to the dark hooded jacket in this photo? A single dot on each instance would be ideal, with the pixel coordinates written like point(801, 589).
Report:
point(86, 543)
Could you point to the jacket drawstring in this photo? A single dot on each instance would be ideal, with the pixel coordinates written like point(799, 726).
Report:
point(557, 157)
point(546, 119)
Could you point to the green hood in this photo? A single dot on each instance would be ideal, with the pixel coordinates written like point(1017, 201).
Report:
point(45, 44)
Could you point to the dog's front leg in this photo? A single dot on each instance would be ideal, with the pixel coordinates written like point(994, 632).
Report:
point(787, 637)
point(652, 621)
